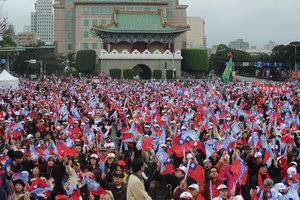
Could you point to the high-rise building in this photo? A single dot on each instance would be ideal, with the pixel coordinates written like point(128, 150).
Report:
point(74, 19)
point(239, 44)
point(195, 36)
point(42, 21)
point(27, 39)
point(26, 28)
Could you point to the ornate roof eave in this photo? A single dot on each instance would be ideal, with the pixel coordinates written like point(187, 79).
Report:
point(95, 28)
point(158, 3)
point(164, 23)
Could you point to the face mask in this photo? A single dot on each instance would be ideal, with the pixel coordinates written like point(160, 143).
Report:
point(50, 163)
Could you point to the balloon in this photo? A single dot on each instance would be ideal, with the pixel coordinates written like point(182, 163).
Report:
point(180, 93)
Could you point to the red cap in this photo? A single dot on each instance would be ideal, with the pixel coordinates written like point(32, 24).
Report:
point(121, 163)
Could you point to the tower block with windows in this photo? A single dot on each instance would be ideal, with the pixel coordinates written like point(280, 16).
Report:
point(139, 40)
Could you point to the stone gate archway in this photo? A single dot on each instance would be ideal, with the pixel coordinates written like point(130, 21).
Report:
point(143, 71)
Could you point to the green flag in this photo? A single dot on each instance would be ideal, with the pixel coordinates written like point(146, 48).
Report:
point(227, 72)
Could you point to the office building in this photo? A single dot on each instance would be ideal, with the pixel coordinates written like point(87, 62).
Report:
point(239, 44)
point(74, 20)
point(195, 36)
point(27, 39)
point(42, 21)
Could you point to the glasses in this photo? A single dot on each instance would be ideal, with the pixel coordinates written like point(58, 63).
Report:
point(214, 171)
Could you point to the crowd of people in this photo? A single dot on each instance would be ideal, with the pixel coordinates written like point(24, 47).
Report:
point(124, 139)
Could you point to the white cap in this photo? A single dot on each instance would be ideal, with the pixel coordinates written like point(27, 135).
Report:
point(109, 145)
point(257, 155)
point(291, 171)
point(238, 197)
point(189, 155)
point(194, 186)
point(29, 136)
point(111, 155)
point(94, 156)
point(221, 187)
point(182, 168)
point(186, 195)
point(279, 186)
point(293, 163)
point(258, 121)
point(183, 128)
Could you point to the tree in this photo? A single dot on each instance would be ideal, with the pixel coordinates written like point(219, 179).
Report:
point(7, 41)
point(194, 60)
point(50, 63)
point(85, 61)
point(217, 61)
point(5, 27)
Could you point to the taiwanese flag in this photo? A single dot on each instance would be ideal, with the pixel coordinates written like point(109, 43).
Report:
point(38, 183)
point(2, 157)
point(17, 133)
point(179, 146)
point(251, 118)
point(64, 150)
point(239, 171)
point(204, 125)
point(126, 136)
point(225, 126)
point(74, 130)
point(39, 151)
point(168, 168)
point(195, 171)
point(222, 115)
point(286, 139)
point(169, 149)
point(147, 143)
point(70, 120)
point(94, 187)
point(189, 143)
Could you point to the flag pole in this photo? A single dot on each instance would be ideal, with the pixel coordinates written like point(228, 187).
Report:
point(187, 168)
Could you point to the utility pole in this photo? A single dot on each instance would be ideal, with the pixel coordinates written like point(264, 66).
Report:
point(296, 66)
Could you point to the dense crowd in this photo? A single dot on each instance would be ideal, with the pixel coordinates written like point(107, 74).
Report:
point(109, 139)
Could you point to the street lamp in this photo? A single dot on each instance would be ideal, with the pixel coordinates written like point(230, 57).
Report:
point(296, 66)
point(174, 73)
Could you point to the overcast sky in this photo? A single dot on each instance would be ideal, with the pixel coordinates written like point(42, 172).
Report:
point(254, 21)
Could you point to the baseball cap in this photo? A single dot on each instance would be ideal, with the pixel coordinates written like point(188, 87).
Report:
point(119, 173)
point(121, 163)
point(111, 155)
point(257, 155)
point(238, 197)
point(222, 187)
point(194, 186)
point(291, 171)
point(29, 136)
point(95, 156)
point(293, 163)
point(189, 155)
point(240, 142)
point(182, 168)
point(186, 195)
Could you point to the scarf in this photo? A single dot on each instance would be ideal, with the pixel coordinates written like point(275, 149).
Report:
point(260, 181)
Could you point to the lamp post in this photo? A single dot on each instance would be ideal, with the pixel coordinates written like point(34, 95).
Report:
point(174, 73)
point(296, 66)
